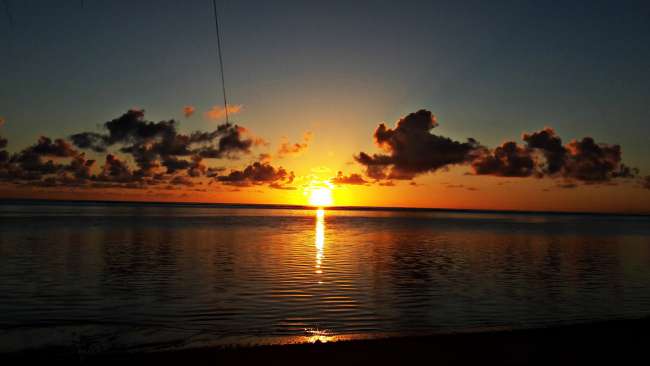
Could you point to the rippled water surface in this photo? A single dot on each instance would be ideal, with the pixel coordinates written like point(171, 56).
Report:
point(131, 277)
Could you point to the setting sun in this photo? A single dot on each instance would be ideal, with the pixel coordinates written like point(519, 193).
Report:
point(320, 196)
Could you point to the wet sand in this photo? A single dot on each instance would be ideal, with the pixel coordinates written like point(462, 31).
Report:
point(613, 342)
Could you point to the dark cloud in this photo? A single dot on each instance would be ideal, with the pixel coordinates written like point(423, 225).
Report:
point(544, 156)
point(37, 161)
point(161, 155)
point(196, 167)
point(89, 140)
point(582, 160)
point(44, 164)
point(276, 185)
point(354, 179)
point(550, 144)
point(507, 160)
point(411, 149)
point(58, 148)
point(258, 173)
point(81, 167)
point(156, 144)
point(588, 161)
point(376, 166)
point(115, 170)
point(230, 144)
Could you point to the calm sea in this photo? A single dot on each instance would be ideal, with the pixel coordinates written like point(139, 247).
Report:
point(107, 277)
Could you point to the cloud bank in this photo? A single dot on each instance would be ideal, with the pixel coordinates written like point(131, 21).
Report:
point(410, 149)
point(133, 152)
point(162, 157)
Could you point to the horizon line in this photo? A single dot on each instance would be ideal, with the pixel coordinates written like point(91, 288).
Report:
point(5, 201)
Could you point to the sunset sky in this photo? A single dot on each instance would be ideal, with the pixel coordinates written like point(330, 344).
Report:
point(309, 83)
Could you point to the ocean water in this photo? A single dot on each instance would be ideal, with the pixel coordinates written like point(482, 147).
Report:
point(131, 277)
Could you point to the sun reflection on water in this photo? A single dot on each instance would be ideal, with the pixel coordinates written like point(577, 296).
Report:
point(315, 335)
point(320, 239)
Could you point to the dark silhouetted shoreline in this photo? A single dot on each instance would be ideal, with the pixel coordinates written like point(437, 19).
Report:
point(610, 342)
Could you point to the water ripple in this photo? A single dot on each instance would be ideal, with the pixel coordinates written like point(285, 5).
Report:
point(106, 278)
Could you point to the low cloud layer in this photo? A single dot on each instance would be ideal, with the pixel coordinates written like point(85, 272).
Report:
point(259, 173)
point(353, 179)
point(544, 155)
point(161, 156)
point(410, 149)
point(47, 162)
point(133, 152)
point(156, 144)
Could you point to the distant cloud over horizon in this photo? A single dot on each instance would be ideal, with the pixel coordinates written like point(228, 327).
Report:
point(543, 155)
point(353, 179)
point(132, 152)
point(411, 150)
point(259, 173)
point(162, 155)
point(188, 111)
point(219, 112)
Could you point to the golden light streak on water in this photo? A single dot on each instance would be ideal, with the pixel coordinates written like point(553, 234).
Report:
point(320, 239)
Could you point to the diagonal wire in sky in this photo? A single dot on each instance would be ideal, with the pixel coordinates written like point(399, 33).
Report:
point(8, 11)
point(223, 80)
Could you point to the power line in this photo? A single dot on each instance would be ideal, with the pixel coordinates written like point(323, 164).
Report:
point(223, 80)
point(8, 11)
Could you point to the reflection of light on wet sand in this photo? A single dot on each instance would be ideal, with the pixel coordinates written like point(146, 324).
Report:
point(320, 239)
point(319, 335)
